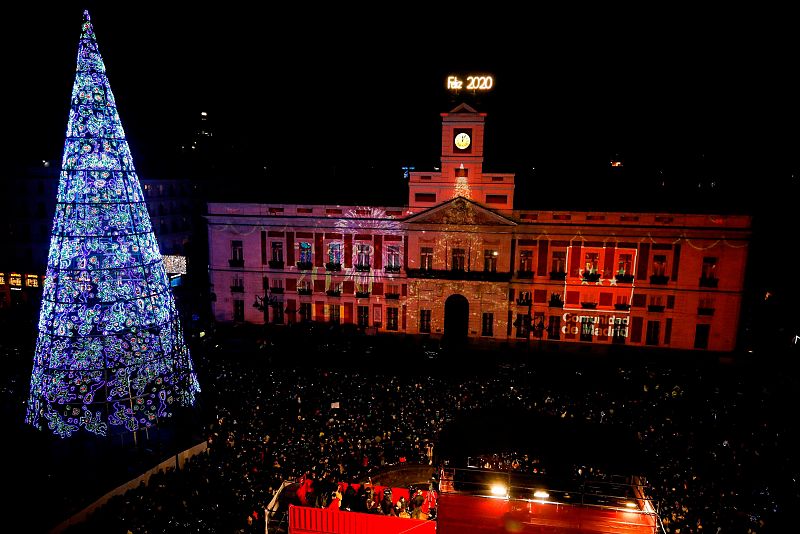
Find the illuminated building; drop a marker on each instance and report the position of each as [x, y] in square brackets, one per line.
[460, 260]
[110, 354]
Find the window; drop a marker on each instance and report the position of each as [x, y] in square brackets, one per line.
[237, 252]
[393, 257]
[426, 258]
[526, 261]
[305, 252]
[363, 255]
[391, 318]
[304, 287]
[458, 259]
[31, 280]
[587, 328]
[277, 285]
[523, 323]
[2, 278]
[659, 265]
[333, 311]
[362, 316]
[392, 291]
[524, 298]
[335, 253]
[590, 265]
[701, 334]
[653, 328]
[237, 284]
[277, 251]
[305, 311]
[238, 310]
[490, 261]
[554, 327]
[487, 324]
[425, 321]
[559, 262]
[709, 268]
[277, 313]
[624, 264]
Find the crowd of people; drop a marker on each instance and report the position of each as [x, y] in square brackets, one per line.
[720, 439]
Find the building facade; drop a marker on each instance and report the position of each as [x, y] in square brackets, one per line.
[459, 260]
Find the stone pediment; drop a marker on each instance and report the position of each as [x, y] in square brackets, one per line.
[460, 211]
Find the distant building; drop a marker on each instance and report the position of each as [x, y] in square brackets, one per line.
[459, 260]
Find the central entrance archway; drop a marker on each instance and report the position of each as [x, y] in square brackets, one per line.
[456, 318]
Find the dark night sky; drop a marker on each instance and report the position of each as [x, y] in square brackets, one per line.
[358, 94]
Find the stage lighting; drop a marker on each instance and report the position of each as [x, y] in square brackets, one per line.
[541, 494]
[498, 490]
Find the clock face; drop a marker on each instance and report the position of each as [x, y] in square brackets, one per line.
[462, 140]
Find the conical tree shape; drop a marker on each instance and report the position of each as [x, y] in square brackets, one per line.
[110, 354]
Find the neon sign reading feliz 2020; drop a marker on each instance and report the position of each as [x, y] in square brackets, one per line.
[474, 82]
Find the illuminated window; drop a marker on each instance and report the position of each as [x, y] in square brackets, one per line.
[393, 257]
[590, 265]
[2, 278]
[31, 280]
[559, 262]
[490, 261]
[426, 258]
[459, 256]
[238, 310]
[363, 316]
[335, 253]
[277, 251]
[363, 255]
[305, 252]
[304, 286]
[659, 265]
[526, 261]
[624, 264]
[391, 318]
[487, 324]
[15, 280]
[425, 321]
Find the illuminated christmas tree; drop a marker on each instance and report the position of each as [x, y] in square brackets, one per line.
[110, 353]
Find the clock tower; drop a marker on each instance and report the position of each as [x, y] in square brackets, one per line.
[461, 172]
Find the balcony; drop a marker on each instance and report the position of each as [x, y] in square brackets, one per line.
[525, 275]
[591, 276]
[589, 305]
[486, 276]
[555, 303]
[660, 279]
[304, 291]
[705, 311]
[276, 290]
[237, 289]
[524, 302]
[305, 265]
[333, 266]
[362, 294]
[361, 267]
[558, 275]
[624, 278]
[275, 264]
[334, 293]
[392, 296]
[392, 269]
[707, 281]
[622, 306]
[655, 307]
[236, 263]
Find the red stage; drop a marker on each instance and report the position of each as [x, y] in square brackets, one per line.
[306, 520]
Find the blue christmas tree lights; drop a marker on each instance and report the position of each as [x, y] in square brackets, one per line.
[110, 348]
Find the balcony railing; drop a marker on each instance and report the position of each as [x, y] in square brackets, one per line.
[524, 302]
[275, 264]
[392, 268]
[591, 277]
[237, 289]
[333, 266]
[305, 265]
[707, 281]
[392, 296]
[304, 291]
[442, 274]
[361, 267]
[236, 263]
[276, 290]
[333, 293]
[624, 278]
[525, 275]
[362, 294]
[589, 305]
[555, 303]
[659, 279]
[558, 275]
[705, 311]
[655, 307]
[622, 306]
